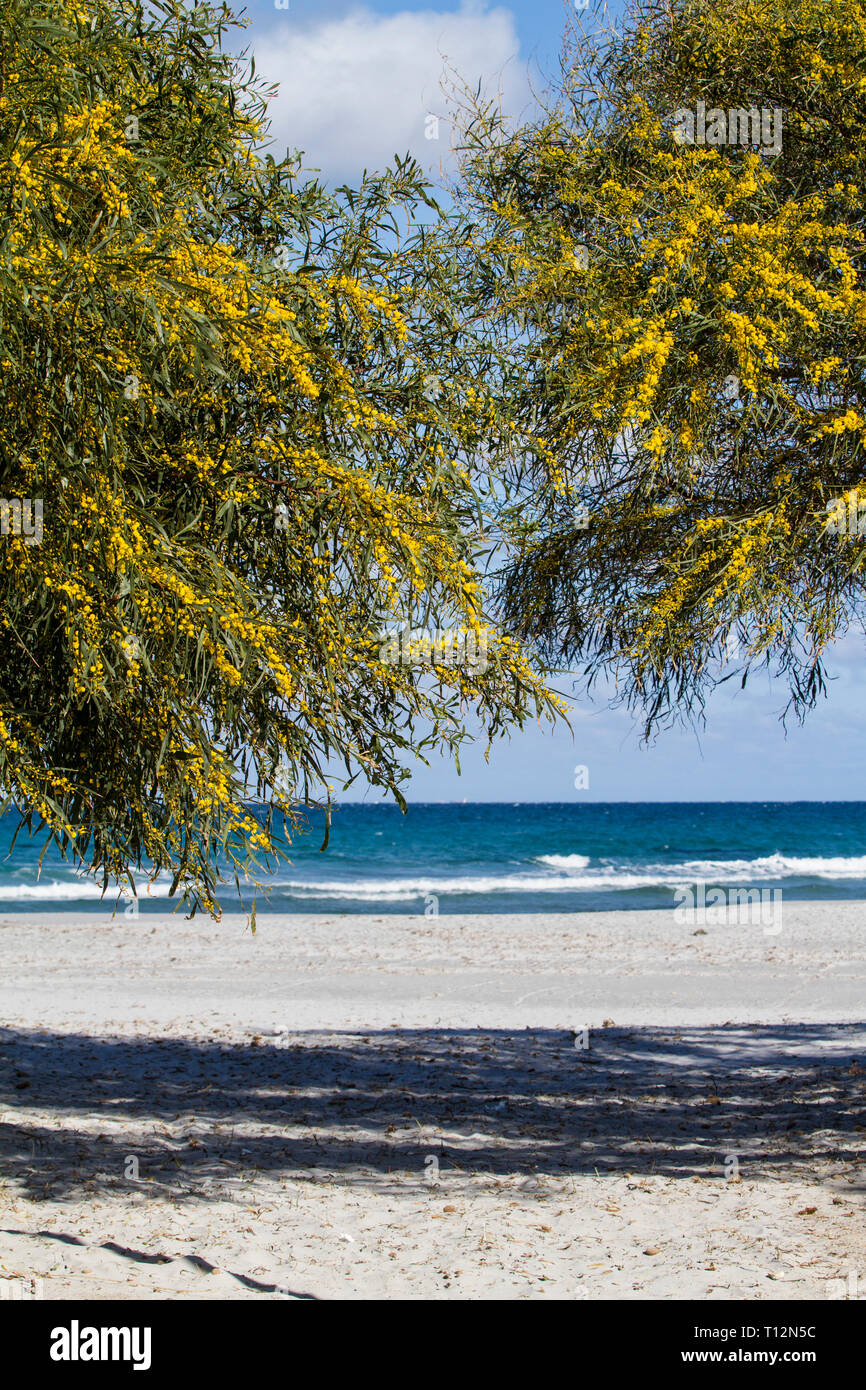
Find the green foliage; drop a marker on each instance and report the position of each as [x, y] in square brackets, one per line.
[215, 375]
[681, 328]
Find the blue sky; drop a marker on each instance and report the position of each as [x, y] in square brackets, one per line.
[743, 753]
[357, 84]
[358, 81]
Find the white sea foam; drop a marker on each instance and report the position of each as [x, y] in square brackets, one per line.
[70, 890]
[769, 866]
[556, 873]
[564, 861]
[579, 877]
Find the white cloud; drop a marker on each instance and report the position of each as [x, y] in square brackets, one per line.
[358, 89]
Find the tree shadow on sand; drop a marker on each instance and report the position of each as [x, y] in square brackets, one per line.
[175, 1117]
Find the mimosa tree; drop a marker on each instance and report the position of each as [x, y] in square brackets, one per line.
[671, 260]
[245, 406]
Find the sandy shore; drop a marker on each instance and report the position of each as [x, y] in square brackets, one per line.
[604, 1105]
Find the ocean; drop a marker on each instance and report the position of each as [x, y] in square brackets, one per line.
[525, 857]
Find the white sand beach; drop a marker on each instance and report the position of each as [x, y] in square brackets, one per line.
[385, 1106]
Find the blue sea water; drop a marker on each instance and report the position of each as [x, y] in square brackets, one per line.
[528, 857]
